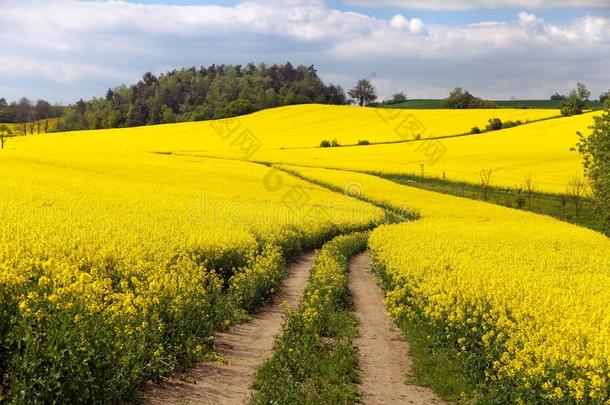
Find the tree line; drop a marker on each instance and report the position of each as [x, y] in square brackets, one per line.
[31, 116]
[365, 94]
[221, 91]
[194, 94]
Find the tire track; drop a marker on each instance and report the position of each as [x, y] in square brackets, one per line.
[244, 348]
[385, 363]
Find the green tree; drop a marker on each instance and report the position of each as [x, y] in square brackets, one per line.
[582, 92]
[137, 114]
[576, 102]
[24, 113]
[573, 105]
[595, 151]
[335, 95]
[364, 92]
[399, 97]
[168, 115]
[43, 112]
[558, 97]
[238, 107]
[201, 93]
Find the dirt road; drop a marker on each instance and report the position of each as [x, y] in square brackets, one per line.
[244, 348]
[384, 356]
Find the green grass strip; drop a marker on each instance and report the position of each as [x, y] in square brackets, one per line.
[315, 360]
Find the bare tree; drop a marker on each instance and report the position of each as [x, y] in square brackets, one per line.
[577, 188]
[5, 133]
[530, 188]
[563, 200]
[486, 183]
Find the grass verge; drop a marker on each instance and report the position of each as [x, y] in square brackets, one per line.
[558, 206]
[315, 360]
[438, 366]
[435, 365]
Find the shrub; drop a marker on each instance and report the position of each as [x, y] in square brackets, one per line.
[494, 124]
[460, 99]
[475, 130]
[363, 142]
[573, 105]
[329, 144]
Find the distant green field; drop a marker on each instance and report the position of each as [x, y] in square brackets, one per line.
[432, 103]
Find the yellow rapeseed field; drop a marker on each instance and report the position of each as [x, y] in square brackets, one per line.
[293, 126]
[129, 247]
[307, 125]
[127, 260]
[541, 149]
[521, 296]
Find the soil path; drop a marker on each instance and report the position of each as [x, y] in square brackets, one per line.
[385, 363]
[244, 348]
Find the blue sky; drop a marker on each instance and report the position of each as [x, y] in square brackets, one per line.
[551, 14]
[62, 50]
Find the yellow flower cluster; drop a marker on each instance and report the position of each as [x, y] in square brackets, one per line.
[328, 283]
[523, 297]
[117, 263]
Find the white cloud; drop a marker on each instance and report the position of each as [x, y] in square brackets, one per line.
[66, 49]
[475, 4]
[414, 26]
[531, 23]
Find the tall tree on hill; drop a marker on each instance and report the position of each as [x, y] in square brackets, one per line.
[364, 92]
[335, 95]
[583, 93]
